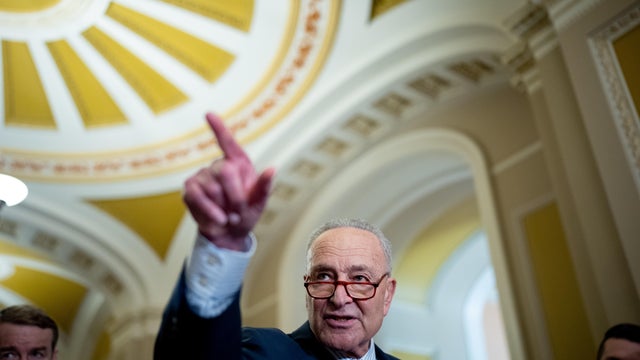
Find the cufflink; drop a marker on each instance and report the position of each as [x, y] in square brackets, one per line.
[212, 260]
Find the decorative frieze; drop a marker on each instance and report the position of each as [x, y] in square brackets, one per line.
[536, 38]
[565, 12]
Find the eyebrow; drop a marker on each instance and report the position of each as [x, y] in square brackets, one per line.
[360, 268]
[13, 348]
[352, 268]
[319, 268]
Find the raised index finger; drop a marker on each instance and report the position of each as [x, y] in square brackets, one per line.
[230, 148]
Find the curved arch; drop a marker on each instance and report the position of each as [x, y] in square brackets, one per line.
[97, 260]
[436, 152]
[361, 80]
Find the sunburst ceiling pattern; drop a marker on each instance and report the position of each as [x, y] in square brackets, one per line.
[26, 102]
[95, 91]
[138, 76]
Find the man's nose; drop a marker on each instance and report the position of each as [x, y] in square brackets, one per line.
[340, 296]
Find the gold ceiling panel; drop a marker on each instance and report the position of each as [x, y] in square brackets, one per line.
[154, 218]
[205, 59]
[39, 287]
[26, 5]
[235, 13]
[25, 102]
[11, 249]
[155, 90]
[94, 104]
[379, 7]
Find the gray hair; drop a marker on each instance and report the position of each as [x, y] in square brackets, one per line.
[352, 223]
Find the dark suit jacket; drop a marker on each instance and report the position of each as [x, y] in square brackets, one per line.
[185, 335]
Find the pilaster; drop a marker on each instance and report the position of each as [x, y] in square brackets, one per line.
[540, 62]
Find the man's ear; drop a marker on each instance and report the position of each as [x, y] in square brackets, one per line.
[389, 291]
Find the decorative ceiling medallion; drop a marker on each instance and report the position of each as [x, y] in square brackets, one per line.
[47, 19]
[285, 72]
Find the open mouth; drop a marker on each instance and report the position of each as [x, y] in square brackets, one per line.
[339, 321]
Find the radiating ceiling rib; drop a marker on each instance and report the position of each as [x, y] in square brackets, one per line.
[171, 69]
[379, 7]
[155, 90]
[235, 13]
[224, 36]
[94, 104]
[203, 58]
[25, 101]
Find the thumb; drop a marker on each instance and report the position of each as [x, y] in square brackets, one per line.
[259, 193]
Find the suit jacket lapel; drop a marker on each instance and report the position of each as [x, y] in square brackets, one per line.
[304, 336]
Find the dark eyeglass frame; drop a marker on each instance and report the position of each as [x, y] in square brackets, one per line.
[344, 283]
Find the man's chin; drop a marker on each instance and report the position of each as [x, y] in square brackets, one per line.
[341, 339]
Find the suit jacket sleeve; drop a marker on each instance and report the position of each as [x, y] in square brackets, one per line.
[184, 334]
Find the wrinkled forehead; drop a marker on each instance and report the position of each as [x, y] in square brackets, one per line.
[33, 335]
[349, 246]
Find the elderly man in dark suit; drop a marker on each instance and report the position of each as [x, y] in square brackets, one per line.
[348, 279]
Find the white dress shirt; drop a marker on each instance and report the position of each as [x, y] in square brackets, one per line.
[370, 355]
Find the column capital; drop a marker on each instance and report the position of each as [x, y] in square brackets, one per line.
[565, 12]
[536, 37]
[520, 60]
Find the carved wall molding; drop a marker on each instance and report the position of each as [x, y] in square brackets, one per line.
[536, 38]
[615, 87]
[565, 12]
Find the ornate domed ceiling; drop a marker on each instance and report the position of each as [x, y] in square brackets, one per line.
[106, 90]
[102, 116]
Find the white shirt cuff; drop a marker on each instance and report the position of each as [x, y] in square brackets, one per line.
[214, 275]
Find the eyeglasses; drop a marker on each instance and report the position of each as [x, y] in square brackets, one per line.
[357, 290]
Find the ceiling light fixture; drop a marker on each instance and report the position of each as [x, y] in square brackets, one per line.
[12, 190]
